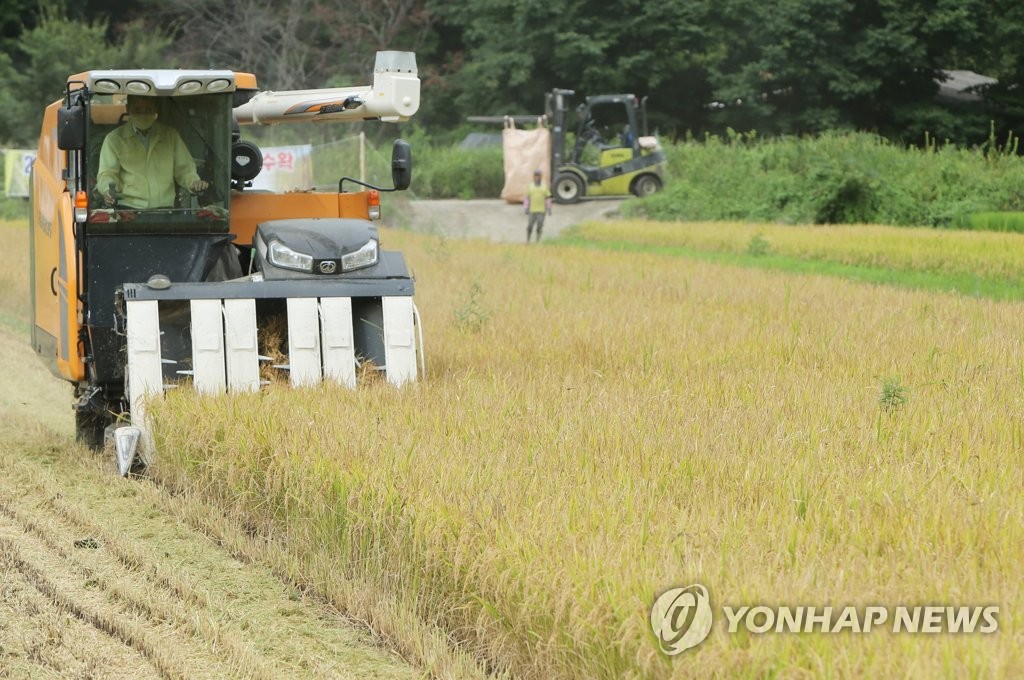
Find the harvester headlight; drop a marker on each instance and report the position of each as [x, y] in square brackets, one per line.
[190, 87]
[138, 87]
[107, 86]
[218, 85]
[358, 259]
[281, 255]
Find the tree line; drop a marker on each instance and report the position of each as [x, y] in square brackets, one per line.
[783, 67]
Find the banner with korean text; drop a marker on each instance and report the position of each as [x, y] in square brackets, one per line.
[286, 168]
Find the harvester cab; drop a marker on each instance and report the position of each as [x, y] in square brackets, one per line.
[209, 283]
[612, 155]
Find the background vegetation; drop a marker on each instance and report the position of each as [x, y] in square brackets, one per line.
[765, 102]
[835, 178]
[840, 178]
[798, 67]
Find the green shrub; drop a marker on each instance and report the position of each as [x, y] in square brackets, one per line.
[837, 178]
[451, 172]
[997, 221]
[13, 208]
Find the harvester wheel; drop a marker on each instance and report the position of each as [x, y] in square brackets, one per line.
[645, 185]
[568, 188]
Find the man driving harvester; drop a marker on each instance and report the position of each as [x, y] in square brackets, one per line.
[141, 161]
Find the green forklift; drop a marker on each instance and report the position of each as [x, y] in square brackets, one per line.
[609, 156]
[612, 153]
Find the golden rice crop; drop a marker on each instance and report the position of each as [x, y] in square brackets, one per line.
[981, 253]
[610, 425]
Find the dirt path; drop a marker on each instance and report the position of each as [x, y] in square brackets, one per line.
[497, 220]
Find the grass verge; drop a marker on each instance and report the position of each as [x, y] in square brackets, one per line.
[968, 263]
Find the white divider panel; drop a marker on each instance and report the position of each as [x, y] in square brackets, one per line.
[304, 341]
[399, 340]
[338, 346]
[208, 375]
[243, 364]
[145, 370]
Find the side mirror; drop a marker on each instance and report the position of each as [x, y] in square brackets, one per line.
[71, 127]
[401, 165]
[401, 170]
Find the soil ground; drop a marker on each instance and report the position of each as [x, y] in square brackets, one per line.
[497, 220]
[102, 577]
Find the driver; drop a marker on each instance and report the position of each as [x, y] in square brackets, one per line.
[143, 159]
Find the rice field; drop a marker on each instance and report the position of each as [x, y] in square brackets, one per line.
[595, 427]
[985, 254]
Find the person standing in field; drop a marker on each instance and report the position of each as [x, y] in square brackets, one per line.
[537, 204]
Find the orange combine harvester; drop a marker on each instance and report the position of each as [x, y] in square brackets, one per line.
[129, 300]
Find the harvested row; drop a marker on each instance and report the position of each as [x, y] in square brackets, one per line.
[44, 634]
[123, 591]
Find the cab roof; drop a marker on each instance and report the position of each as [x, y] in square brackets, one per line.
[162, 82]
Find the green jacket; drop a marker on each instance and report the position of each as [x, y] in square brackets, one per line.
[144, 177]
[536, 198]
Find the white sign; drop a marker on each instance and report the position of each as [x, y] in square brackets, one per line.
[286, 168]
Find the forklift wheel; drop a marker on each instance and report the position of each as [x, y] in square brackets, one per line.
[568, 188]
[645, 185]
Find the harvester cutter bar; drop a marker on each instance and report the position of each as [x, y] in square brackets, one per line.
[277, 289]
[225, 353]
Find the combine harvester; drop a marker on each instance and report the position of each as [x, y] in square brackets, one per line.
[130, 301]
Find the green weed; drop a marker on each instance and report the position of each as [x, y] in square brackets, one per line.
[893, 395]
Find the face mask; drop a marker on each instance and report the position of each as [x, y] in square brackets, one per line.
[143, 121]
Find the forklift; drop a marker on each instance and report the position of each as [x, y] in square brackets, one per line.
[609, 157]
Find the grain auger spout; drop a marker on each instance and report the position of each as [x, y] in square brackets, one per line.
[155, 265]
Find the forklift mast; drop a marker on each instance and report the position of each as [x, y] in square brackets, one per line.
[556, 108]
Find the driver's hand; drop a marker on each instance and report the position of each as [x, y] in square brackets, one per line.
[108, 198]
[199, 185]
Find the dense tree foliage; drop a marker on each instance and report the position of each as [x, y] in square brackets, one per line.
[500, 56]
[297, 44]
[785, 67]
[812, 65]
[790, 66]
[34, 67]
